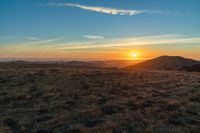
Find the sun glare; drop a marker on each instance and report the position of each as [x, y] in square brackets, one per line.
[134, 55]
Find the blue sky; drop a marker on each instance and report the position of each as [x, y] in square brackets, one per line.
[57, 24]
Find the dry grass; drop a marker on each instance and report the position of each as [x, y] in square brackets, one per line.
[56, 99]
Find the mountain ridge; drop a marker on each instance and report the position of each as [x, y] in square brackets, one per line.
[166, 62]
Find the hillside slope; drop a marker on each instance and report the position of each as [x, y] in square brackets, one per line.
[165, 63]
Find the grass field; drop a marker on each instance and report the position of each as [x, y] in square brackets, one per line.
[57, 99]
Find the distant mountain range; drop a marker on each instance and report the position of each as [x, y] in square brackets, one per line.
[176, 63]
[85, 64]
[168, 63]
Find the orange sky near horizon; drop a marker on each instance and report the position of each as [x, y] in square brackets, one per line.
[125, 54]
[117, 49]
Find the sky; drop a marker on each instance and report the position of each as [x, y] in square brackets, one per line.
[99, 29]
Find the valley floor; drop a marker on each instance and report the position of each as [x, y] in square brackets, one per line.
[57, 99]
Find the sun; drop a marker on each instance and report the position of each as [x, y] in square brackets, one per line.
[134, 55]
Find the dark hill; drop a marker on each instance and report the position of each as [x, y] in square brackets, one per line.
[193, 68]
[166, 63]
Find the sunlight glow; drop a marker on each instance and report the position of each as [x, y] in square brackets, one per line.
[134, 55]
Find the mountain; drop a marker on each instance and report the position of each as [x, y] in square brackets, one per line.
[90, 64]
[70, 64]
[166, 63]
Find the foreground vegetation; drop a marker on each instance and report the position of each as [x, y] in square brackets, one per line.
[57, 99]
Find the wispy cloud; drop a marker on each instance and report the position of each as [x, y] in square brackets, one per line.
[29, 40]
[60, 44]
[113, 11]
[33, 45]
[56, 48]
[45, 41]
[132, 41]
[18, 37]
[93, 37]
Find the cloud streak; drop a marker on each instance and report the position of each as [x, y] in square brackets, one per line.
[93, 37]
[100, 42]
[132, 41]
[56, 48]
[112, 11]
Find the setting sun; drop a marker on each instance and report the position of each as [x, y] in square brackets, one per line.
[134, 55]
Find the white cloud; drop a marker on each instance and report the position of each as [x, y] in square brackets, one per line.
[113, 11]
[93, 37]
[45, 41]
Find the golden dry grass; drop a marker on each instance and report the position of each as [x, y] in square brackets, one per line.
[57, 99]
